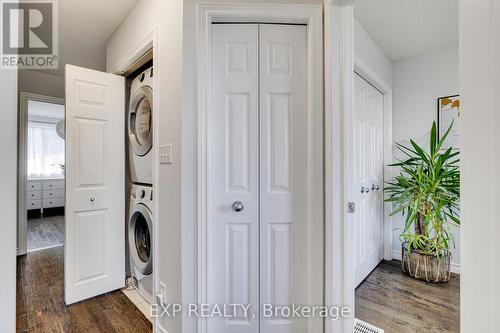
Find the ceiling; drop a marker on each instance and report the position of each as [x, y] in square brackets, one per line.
[405, 28]
[84, 28]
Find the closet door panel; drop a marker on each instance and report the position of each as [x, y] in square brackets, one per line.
[233, 236]
[283, 173]
[368, 175]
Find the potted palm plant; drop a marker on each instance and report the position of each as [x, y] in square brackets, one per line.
[427, 193]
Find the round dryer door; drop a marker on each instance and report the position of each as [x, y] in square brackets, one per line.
[140, 121]
[140, 235]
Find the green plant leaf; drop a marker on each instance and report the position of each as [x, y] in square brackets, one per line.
[433, 139]
[443, 138]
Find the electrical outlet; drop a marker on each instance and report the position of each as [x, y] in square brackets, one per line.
[166, 154]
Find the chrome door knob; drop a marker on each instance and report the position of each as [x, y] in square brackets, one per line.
[375, 187]
[237, 206]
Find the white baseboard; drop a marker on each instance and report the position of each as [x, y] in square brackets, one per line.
[161, 329]
[455, 268]
[141, 303]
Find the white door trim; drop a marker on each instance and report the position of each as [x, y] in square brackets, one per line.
[340, 64]
[142, 49]
[311, 15]
[369, 75]
[339, 76]
[22, 218]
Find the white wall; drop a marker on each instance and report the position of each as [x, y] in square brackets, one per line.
[371, 55]
[479, 54]
[167, 18]
[42, 83]
[8, 198]
[417, 83]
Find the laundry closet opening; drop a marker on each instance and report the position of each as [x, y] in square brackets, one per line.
[140, 191]
[258, 229]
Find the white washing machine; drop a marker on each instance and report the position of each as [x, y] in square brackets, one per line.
[140, 237]
[140, 128]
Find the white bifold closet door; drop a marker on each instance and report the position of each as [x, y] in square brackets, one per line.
[368, 177]
[257, 157]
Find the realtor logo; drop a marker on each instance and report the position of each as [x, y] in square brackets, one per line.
[29, 34]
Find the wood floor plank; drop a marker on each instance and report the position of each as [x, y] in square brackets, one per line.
[398, 303]
[41, 308]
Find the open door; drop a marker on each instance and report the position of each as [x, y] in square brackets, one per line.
[94, 254]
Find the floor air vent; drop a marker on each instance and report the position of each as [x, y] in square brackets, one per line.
[362, 327]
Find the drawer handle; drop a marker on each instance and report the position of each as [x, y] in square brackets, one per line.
[50, 202]
[92, 199]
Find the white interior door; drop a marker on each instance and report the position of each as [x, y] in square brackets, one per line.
[257, 250]
[233, 168]
[283, 173]
[368, 177]
[94, 257]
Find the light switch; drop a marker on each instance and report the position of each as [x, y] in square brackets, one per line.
[166, 154]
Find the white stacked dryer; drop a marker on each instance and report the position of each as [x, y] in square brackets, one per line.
[141, 222]
[140, 128]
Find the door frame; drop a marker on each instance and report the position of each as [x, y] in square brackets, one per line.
[339, 84]
[310, 15]
[147, 46]
[22, 216]
[340, 64]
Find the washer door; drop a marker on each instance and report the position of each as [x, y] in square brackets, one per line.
[140, 229]
[140, 121]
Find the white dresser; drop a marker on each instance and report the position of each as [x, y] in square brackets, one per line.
[45, 193]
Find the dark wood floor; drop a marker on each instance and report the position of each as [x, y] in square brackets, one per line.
[45, 232]
[41, 308]
[397, 303]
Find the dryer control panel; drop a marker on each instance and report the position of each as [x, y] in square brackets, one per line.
[141, 193]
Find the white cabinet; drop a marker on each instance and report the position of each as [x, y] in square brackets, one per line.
[34, 204]
[34, 185]
[55, 202]
[45, 193]
[51, 184]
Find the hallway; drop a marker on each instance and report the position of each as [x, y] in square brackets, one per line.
[41, 307]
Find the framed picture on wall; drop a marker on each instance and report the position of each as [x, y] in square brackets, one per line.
[448, 112]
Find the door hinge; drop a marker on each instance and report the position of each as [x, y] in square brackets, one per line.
[351, 207]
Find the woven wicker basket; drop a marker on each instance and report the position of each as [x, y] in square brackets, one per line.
[427, 267]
